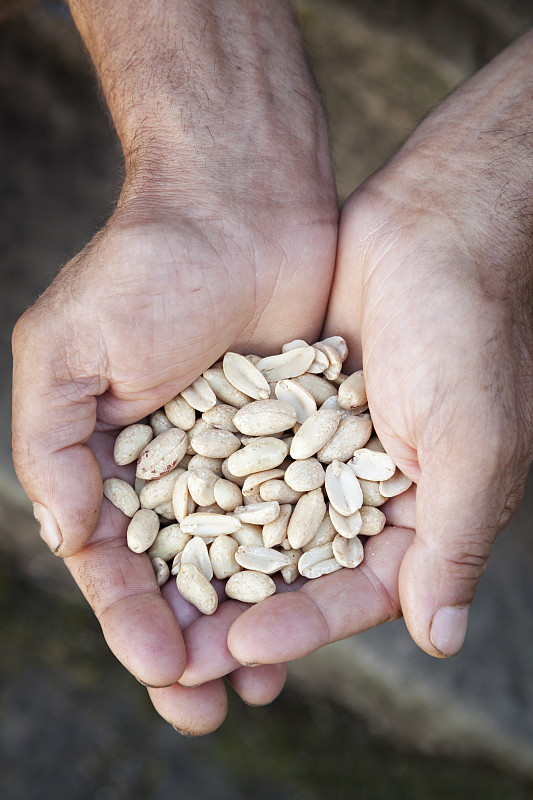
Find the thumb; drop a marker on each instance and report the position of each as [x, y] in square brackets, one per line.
[54, 413]
[461, 502]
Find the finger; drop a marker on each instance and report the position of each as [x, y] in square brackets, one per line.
[137, 623]
[205, 639]
[184, 612]
[291, 625]
[192, 712]
[54, 412]
[460, 499]
[259, 686]
[401, 510]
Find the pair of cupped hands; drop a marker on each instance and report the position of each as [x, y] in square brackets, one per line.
[426, 273]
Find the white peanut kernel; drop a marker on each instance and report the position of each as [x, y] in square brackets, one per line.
[268, 465]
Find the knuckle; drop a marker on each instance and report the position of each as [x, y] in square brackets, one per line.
[468, 561]
[387, 600]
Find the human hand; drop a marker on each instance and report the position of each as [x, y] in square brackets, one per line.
[226, 219]
[433, 289]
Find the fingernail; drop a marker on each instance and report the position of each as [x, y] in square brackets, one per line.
[50, 533]
[448, 629]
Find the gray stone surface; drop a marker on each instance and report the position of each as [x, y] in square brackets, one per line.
[60, 171]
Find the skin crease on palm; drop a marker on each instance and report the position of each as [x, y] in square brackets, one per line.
[421, 293]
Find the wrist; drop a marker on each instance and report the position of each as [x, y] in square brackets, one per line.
[467, 171]
[206, 90]
[478, 141]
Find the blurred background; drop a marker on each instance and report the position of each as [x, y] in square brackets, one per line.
[371, 717]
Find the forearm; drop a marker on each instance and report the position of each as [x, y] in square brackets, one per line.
[190, 84]
[493, 108]
[470, 164]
